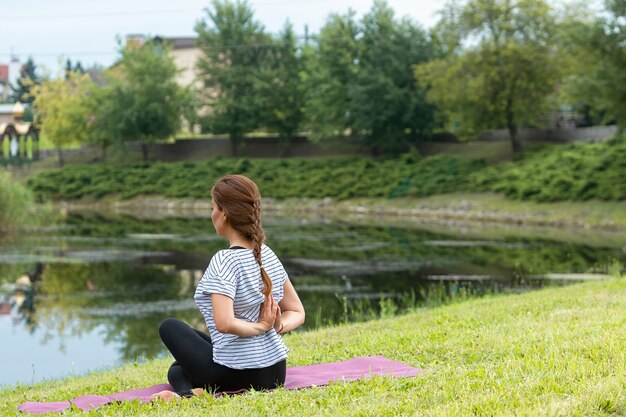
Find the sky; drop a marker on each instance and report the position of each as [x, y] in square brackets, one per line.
[51, 31]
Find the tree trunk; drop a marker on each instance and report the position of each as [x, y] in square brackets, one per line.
[516, 145]
[104, 153]
[35, 139]
[60, 153]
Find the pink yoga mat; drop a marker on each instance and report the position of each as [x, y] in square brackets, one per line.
[297, 377]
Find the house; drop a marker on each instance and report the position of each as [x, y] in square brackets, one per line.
[186, 55]
[9, 74]
[184, 52]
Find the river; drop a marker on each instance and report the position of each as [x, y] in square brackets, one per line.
[103, 282]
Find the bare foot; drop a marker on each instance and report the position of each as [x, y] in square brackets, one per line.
[165, 395]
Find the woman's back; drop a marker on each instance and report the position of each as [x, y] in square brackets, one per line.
[235, 273]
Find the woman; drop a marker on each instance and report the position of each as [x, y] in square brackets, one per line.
[246, 299]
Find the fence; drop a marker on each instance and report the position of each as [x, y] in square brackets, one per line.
[205, 148]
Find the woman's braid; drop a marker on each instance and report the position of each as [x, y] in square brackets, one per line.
[240, 199]
[257, 235]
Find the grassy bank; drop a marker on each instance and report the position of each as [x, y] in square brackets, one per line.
[17, 206]
[468, 208]
[558, 351]
[576, 172]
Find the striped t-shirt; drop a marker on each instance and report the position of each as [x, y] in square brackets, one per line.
[236, 274]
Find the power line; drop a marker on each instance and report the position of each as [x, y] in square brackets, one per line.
[139, 12]
[87, 15]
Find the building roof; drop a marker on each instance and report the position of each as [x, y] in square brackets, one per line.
[181, 43]
[4, 72]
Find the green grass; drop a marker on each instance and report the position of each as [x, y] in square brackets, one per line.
[555, 352]
[17, 206]
[46, 143]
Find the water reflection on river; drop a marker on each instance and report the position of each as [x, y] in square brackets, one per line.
[90, 293]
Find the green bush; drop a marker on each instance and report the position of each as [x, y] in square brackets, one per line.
[340, 178]
[17, 205]
[580, 171]
[561, 172]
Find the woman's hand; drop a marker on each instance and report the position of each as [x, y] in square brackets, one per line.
[278, 321]
[270, 313]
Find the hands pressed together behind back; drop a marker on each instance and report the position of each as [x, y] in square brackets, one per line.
[270, 315]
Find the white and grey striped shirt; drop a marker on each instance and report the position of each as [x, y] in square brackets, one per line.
[236, 274]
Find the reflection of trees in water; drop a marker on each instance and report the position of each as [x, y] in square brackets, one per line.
[74, 293]
[354, 242]
[138, 337]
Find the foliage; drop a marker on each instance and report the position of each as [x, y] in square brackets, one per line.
[60, 111]
[28, 78]
[503, 355]
[387, 105]
[574, 172]
[301, 178]
[146, 103]
[17, 205]
[233, 46]
[107, 106]
[330, 71]
[498, 66]
[280, 92]
[77, 67]
[596, 76]
[360, 80]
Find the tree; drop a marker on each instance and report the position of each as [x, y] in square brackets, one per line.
[499, 67]
[331, 67]
[60, 110]
[28, 78]
[77, 68]
[233, 44]
[106, 106]
[597, 47]
[280, 90]
[146, 103]
[387, 105]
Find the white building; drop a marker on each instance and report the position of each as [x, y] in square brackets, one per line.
[9, 74]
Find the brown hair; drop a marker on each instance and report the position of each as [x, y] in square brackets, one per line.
[239, 198]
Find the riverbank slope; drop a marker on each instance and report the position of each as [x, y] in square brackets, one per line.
[558, 351]
[453, 207]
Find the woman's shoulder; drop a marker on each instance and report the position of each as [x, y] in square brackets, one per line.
[223, 256]
[266, 250]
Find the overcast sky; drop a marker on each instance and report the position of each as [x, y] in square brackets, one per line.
[86, 30]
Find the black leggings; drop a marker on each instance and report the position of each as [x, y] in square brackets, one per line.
[194, 366]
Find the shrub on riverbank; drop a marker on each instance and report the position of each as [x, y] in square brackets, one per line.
[17, 205]
[572, 172]
[580, 171]
[558, 351]
[339, 178]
